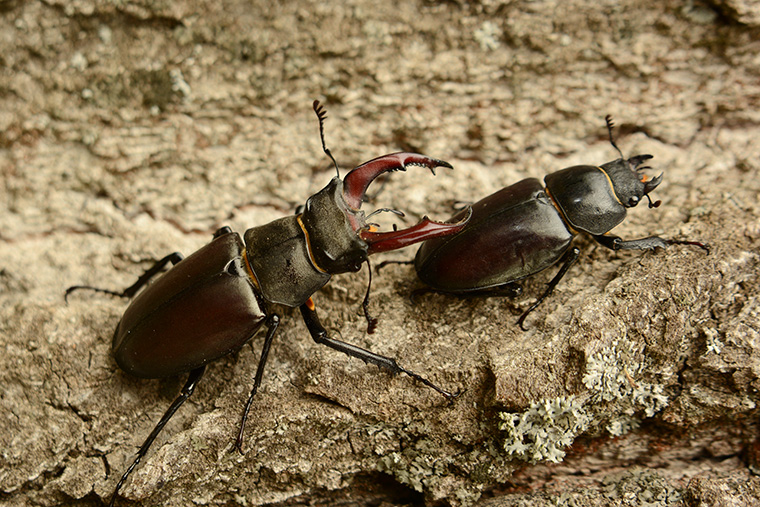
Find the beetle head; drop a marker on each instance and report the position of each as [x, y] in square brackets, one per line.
[334, 245]
[339, 237]
[629, 181]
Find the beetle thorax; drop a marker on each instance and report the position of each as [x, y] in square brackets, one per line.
[586, 198]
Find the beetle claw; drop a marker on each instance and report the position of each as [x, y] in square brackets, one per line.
[521, 320]
[456, 395]
[356, 182]
[426, 229]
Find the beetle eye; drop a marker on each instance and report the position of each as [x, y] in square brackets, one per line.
[633, 201]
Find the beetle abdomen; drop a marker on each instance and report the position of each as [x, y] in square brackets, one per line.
[514, 233]
[202, 309]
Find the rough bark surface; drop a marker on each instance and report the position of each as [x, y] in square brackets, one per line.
[135, 128]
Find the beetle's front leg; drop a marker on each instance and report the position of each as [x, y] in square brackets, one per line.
[320, 335]
[617, 243]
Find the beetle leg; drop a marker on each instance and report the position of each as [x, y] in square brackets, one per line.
[141, 282]
[386, 263]
[371, 321]
[319, 334]
[568, 260]
[617, 243]
[273, 322]
[356, 182]
[187, 390]
[130, 291]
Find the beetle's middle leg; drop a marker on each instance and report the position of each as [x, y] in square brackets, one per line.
[320, 335]
[273, 320]
[567, 261]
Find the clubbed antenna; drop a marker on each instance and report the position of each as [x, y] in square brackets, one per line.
[655, 204]
[322, 115]
[610, 126]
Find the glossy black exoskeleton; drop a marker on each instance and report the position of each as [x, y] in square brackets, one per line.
[211, 303]
[527, 227]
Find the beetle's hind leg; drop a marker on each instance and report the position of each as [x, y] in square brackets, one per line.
[187, 390]
[130, 291]
[320, 335]
[141, 282]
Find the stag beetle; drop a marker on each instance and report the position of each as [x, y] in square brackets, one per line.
[527, 227]
[211, 303]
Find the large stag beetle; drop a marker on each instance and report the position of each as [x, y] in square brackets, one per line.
[211, 303]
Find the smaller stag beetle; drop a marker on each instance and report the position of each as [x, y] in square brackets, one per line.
[527, 227]
[211, 303]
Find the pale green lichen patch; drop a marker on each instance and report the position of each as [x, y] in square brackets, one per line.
[611, 376]
[616, 401]
[609, 372]
[714, 344]
[545, 429]
[414, 466]
[421, 468]
[641, 487]
[622, 425]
